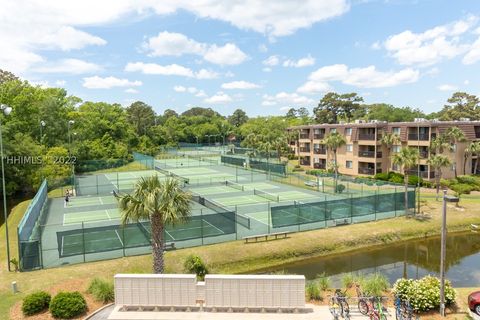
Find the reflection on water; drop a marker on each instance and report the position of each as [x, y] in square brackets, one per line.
[413, 259]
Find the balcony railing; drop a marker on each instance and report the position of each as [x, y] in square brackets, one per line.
[318, 135]
[320, 151]
[423, 154]
[304, 136]
[304, 162]
[319, 165]
[366, 136]
[370, 171]
[423, 174]
[369, 154]
[421, 136]
[304, 149]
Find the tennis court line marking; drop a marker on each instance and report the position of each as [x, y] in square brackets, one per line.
[118, 236]
[100, 199]
[109, 218]
[169, 234]
[213, 226]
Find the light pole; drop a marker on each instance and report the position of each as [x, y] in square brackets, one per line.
[443, 249]
[42, 125]
[6, 111]
[70, 122]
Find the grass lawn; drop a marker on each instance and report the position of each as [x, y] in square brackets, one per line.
[237, 257]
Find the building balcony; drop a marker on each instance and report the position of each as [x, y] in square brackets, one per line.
[304, 162]
[370, 171]
[366, 136]
[318, 136]
[369, 154]
[416, 136]
[304, 149]
[423, 174]
[320, 165]
[304, 136]
[423, 154]
[320, 151]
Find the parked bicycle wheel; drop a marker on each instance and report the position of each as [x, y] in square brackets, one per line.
[363, 306]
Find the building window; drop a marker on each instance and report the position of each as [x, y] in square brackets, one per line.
[395, 167]
[396, 149]
[349, 164]
[396, 131]
[349, 147]
[332, 130]
[348, 131]
[453, 147]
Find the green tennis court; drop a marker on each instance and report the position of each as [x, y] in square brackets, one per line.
[295, 195]
[240, 200]
[112, 176]
[260, 186]
[193, 171]
[213, 190]
[90, 216]
[78, 202]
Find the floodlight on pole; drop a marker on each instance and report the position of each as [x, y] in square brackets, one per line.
[6, 111]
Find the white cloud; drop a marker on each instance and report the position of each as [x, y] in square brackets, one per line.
[473, 54]
[177, 44]
[368, 77]
[240, 85]
[303, 62]
[60, 83]
[271, 61]
[286, 99]
[57, 24]
[206, 74]
[97, 82]
[447, 87]
[131, 90]
[267, 69]
[68, 66]
[200, 94]
[376, 45]
[219, 98]
[169, 70]
[179, 89]
[431, 46]
[262, 48]
[466, 82]
[41, 83]
[314, 87]
[153, 68]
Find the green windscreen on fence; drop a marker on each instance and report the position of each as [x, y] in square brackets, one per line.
[28, 234]
[261, 165]
[339, 209]
[144, 159]
[87, 240]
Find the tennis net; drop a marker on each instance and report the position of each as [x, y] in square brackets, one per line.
[234, 185]
[266, 195]
[240, 219]
[161, 170]
[171, 174]
[146, 232]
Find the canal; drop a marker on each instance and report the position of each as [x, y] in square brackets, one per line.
[412, 259]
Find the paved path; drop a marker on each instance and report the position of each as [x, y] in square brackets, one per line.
[318, 313]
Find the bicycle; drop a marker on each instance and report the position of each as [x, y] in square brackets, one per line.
[403, 309]
[340, 300]
[376, 309]
[334, 308]
[362, 301]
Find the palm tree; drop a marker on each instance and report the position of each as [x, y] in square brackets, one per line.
[333, 141]
[163, 203]
[295, 136]
[475, 150]
[389, 139]
[439, 144]
[407, 158]
[456, 135]
[437, 162]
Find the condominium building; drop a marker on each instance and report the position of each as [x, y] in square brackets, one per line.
[364, 153]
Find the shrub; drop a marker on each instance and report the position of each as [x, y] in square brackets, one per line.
[316, 172]
[381, 176]
[292, 157]
[66, 305]
[35, 302]
[340, 188]
[397, 178]
[413, 180]
[323, 281]
[424, 293]
[312, 291]
[375, 284]
[101, 290]
[461, 188]
[471, 180]
[427, 184]
[446, 182]
[348, 280]
[298, 169]
[194, 264]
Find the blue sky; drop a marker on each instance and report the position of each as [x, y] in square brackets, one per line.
[261, 56]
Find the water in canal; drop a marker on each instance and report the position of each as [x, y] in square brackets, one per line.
[412, 259]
